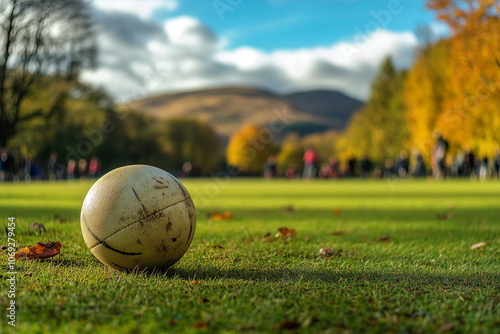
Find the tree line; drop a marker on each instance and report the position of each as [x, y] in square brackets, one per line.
[452, 90]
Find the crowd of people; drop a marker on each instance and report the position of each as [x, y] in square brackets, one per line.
[29, 170]
[465, 164]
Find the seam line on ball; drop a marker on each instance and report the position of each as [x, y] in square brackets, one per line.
[137, 221]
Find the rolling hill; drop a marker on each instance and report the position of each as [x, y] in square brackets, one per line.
[227, 109]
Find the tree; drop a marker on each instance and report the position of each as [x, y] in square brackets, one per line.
[190, 140]
[427, 89]
[249, 148]
[379, 129]
[291, 152]
[39, 39]
[454, 85]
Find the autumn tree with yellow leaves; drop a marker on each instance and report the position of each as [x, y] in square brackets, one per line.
[249, 148]
[454, 85]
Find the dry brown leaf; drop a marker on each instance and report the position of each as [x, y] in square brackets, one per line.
[201, 325]
[286, 233]
[39, 251]
[478, 245]
[338, 233]
[221, 215]
[385, 238]
[337, 211]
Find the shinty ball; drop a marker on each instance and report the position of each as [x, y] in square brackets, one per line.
[138, 217]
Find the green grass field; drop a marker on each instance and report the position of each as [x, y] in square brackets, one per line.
[401, 261]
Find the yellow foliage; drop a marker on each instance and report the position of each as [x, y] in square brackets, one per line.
[467, 110]
[291, 152]
[249, 148]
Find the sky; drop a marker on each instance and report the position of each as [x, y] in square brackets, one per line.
[149, 47]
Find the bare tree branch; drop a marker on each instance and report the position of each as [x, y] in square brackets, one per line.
[39, 39]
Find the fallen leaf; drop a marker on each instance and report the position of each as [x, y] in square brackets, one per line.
[39, 251]
[221, 215]
[201, 325]
[289, 325]
[446, 327]
[478, 245]
[286, 233]
[338, 233]
[28, 275]
[36, 226]
[4, 247]
[326, 251]
[385, 238]
[337, 211]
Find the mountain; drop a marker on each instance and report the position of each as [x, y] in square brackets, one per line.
[227, 109]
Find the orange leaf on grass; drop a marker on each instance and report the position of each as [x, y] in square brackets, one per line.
[286, 233]
[39, 251]
[221, 215]
[337, 211]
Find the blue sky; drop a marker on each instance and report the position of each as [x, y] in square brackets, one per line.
[284, 24]
[157, 46]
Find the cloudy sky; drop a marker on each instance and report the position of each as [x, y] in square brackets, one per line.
[154, 46]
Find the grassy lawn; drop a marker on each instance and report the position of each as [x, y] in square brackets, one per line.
[401, 261]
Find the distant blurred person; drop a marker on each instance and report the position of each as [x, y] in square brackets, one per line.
[52, 166]
[469, 164]
[366, 166]
[334, 167]
[94, 166]
[82, 169]
[187, 168]
[325, 171]
[71, 169]
[457, 169]
[388, 169]
[310, 161]
[496, 163]
[351, 167]
[270, 170]
[403, 164]
[28, 169]
[290, 172]
[438, 157]
[419, 168]
[483, 168]
[8, 165]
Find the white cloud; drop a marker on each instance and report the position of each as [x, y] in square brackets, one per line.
[140, 58]
[142, 8]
